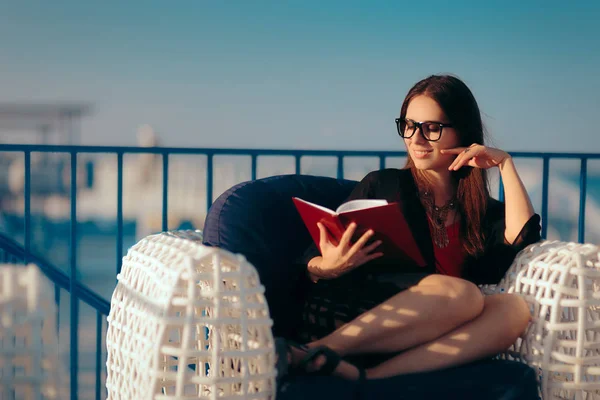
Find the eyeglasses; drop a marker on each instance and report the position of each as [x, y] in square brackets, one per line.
[431, 131]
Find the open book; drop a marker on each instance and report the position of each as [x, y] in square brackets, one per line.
[385, 219]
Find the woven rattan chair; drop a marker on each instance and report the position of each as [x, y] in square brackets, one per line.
[29, 367]
[561, 283]
[188, 321]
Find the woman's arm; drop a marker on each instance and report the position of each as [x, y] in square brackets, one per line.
[517, 203]
[514, 224]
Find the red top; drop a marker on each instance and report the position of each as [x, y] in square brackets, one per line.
[450, 259]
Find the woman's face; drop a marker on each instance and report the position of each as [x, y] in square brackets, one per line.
[426, 154]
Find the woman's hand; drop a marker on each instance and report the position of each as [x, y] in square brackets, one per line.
[340, 259]
[477, 156]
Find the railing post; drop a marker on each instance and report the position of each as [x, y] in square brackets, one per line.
[340, 167]
[209, 180]
[165, 192]
[381, 162]
[545, 178]
[57, 301]
[74, 305]
[298, 165]
[27, 205]
[119, 211]
[253, 166]
[98, 353]
[582, 200]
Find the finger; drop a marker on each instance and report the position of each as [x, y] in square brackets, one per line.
[456, 160]
[323, 236]
[473, 162]
[366, 259]
[451, 166]
[371, 247]
[348, 234]
[464, 153]
[461, 163]
[455, 150]
[467, 156]
[479, 153]
[361, 242]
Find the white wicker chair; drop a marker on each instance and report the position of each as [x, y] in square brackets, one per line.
[29, 366]
[561, 283]
[180, 304]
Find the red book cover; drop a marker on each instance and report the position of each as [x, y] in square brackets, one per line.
[385, 219]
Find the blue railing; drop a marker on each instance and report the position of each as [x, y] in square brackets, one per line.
[13, 253]
[80, 292]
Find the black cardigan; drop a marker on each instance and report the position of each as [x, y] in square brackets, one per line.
[486, 268]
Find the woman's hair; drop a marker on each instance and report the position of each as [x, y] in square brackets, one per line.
[460, 106]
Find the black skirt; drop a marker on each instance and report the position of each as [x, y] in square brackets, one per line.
[332, 303]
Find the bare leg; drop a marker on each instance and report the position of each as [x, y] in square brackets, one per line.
[504, 318]
[435, 306]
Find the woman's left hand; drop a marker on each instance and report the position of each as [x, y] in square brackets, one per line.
[477, 156]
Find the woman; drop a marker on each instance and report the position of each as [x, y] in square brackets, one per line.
[467, 237]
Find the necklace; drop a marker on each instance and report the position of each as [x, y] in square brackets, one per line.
[437, 216]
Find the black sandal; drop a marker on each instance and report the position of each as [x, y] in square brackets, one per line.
[332, 360]
[283, 366]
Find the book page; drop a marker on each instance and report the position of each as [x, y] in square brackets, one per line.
[354, 205]
[327, 210]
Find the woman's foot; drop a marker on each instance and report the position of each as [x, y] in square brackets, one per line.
[321, 361]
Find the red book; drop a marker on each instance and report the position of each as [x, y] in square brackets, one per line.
[385, 219]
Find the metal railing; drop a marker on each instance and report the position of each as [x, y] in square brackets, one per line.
[13, 253]
[80, 292]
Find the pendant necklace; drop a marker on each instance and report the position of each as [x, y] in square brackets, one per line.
[437, 216]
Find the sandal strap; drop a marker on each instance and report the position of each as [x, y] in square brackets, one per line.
[362, 375]
[332, 360]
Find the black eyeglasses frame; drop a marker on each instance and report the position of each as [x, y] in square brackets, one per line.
[419, 125]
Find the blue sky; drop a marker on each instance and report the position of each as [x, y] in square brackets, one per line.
[301, 74]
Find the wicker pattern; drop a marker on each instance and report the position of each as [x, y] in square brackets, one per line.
[560, 281]
[188, 321]
[28, 341]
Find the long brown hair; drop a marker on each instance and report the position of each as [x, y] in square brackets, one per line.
[460, 106]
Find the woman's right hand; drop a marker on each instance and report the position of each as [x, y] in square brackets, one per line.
[338, 260]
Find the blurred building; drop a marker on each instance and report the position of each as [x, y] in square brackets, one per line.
[29, 123]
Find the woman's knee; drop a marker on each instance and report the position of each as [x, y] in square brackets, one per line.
[513, 311]
[461, 297]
